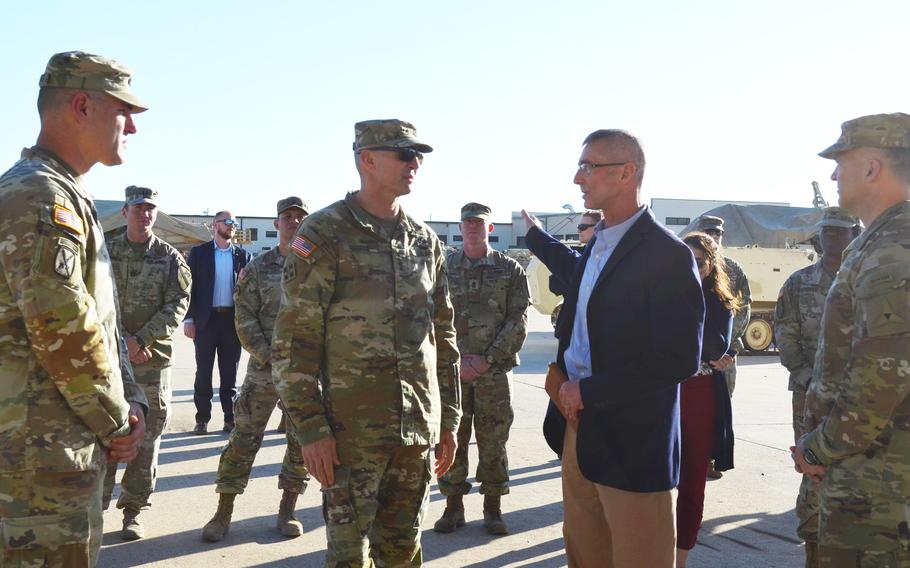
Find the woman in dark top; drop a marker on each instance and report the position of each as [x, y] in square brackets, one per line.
[705, 413]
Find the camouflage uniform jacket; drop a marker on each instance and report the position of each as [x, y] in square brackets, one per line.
[364, 342]
[797, 321]
[63, 367]
[490, 297]
[739, 285]
[257, 297]
[857, 407]
[154, 288]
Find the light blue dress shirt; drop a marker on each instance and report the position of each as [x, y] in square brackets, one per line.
[578, 354]
[223, 293]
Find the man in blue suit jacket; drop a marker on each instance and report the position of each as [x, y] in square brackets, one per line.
[629, 332]
[209, 322]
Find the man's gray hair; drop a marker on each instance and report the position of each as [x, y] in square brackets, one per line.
[626, 141]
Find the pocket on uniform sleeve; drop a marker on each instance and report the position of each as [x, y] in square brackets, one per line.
[884, 301]
[45, 531]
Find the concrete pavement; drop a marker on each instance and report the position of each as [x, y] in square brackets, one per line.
[749, 519]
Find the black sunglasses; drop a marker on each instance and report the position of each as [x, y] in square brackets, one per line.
[715, 232]
[585, 226]
[406, 155]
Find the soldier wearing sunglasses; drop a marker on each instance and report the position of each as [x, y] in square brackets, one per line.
[364, 355]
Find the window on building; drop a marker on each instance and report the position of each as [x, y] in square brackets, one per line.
[520, 242]
[254, 234]
[457, 238]
[494, 239]
[444, 239]
[271, 234]
[678, 220]
[266, 248]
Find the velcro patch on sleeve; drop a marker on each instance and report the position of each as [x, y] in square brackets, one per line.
[67, 218]
[303, 247]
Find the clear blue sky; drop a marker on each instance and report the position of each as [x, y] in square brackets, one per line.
[254, 101]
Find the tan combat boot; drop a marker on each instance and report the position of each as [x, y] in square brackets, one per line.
[453, 517]
[492, 516]
[214, 530]
[287, 523]
[132, 528]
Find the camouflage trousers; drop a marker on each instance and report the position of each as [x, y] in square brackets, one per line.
[730, 377]
[486, 403]
[252, 409]
[374, 509]
[50, 520]
[829, 557]
[799, 411]
[139, 477]
[807, 510]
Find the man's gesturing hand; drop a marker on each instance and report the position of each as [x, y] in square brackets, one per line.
[320, 458]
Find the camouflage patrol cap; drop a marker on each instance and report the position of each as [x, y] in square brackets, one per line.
[873, 131]
[136, 195]
[477, 210]
[87, 72]
[292, 201]
[709, 223]
[837, 217]
[387, 133]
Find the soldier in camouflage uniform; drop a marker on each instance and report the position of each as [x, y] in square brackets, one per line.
[796, 329]
[256, 300]
[365, 355]
[490, 294]
[68, 402]
[153, 284]
[739, 285]
[857, 420]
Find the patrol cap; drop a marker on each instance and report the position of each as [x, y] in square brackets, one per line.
[387, 133]
[88, 72]
[477, 210]
[709, 223]
[289, 202]
[872, 131]
[837, 217]
[136, 195]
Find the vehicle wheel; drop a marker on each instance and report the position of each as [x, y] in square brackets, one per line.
[555, 315]
[759, 334]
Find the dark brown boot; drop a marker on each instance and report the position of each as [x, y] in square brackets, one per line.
[492, 516]
[214, 530]
[453, 517]
[287, 523]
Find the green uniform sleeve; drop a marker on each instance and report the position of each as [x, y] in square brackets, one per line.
[45, 274]
[788, 331]
[176, 301]
[247, 306]
[307, 285]
[447, 356]
[877, 377]
[511, 335]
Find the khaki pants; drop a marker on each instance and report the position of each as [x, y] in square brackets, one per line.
[606, 527]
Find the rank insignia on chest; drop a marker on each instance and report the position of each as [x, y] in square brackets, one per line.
[473, 284]
[66, 218]
[303, 247]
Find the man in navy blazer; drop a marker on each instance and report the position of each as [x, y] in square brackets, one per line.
[629, 332]
[209, 322]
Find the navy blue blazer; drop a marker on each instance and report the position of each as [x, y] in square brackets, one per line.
[645, 319]
[202, 267]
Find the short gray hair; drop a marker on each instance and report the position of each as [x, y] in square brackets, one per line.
[625, 140]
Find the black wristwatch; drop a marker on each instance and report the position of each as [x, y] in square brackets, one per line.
[810, 457]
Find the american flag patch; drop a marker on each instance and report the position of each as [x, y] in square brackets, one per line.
[66, 218]
[303, 247]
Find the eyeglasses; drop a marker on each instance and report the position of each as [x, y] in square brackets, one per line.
[584, 226]
[228, 222]
[587, 169]
[714, 232]
[406, 155]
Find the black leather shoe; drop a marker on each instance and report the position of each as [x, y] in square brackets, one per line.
[228, 426]
[201, 428]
